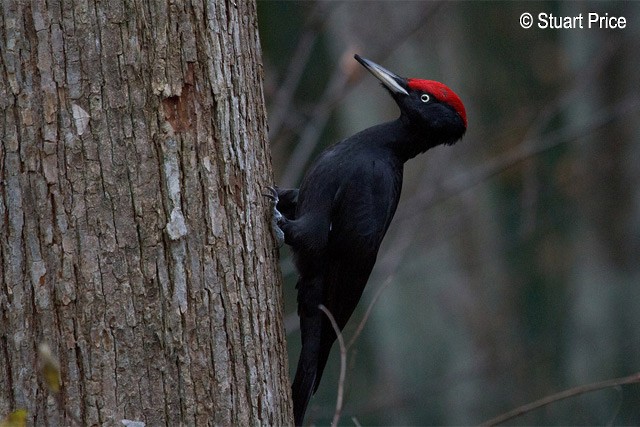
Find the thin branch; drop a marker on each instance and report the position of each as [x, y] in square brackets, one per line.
[575, 391]
[338, 87]
[283, 99]
[373, 302]
[284, 96]
[581, 81]
[313, 130]
[343, 366]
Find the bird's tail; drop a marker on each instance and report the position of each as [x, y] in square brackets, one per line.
[313, 359]
[306, 379]
[303, 387]
[304, 383]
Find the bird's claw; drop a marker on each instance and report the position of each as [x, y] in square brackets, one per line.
[277, 218]
[272, 194]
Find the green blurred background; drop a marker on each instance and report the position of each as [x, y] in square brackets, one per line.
[511, 270]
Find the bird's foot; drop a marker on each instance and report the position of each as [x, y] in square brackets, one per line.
[277, 218]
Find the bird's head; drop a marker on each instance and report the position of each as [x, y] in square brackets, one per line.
[429, 106]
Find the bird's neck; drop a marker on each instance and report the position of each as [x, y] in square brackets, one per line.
[407, 141]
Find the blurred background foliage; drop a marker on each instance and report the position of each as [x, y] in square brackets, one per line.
[511, 270]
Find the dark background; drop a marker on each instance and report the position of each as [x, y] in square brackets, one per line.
[511, 270]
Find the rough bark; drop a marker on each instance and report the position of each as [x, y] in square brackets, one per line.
[134, 238]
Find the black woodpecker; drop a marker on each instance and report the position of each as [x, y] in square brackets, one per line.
[337, 219]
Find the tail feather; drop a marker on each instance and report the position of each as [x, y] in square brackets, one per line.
[318, 338]
[303, 387]
[328, 338]
[306, 379]
[316, 331]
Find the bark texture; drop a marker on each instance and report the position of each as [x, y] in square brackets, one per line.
[134, 239]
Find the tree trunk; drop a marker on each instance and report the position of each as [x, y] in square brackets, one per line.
[135, 241]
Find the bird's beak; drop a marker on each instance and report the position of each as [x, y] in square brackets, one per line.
[391, 81]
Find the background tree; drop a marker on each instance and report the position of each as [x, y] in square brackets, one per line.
[134, 240]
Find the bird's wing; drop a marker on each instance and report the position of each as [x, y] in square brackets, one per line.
[361, 215]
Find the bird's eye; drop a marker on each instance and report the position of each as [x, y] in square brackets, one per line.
[424, 97]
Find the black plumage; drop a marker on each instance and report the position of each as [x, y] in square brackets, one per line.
[336, 221]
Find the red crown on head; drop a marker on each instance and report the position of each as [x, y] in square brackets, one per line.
[442, 93]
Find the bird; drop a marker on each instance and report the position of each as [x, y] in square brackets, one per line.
[336, 220]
